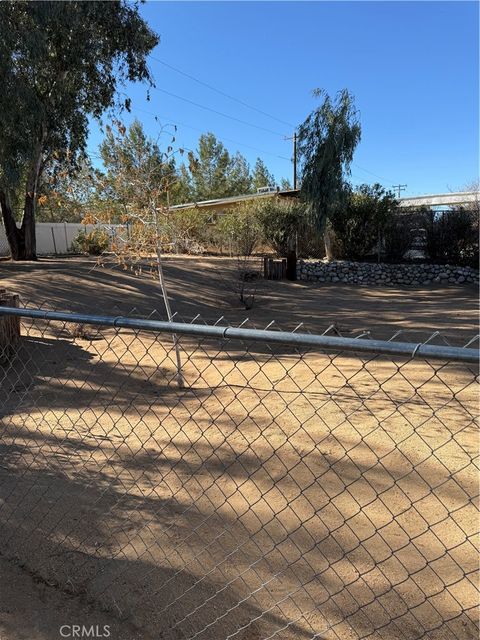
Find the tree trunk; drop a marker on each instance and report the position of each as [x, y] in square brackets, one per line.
[9, 327]
[15, 237]
[22, 242]
[28, 228]
[328, 244]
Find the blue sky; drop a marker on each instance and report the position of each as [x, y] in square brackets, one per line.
[413, 68]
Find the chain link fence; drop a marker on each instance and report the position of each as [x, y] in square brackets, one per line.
[291, 486]
[4, 248]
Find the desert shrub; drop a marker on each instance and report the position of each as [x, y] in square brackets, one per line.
[214, 240]
[94, 243]
[360, 221]
[398, 236]
[282, 222]
[185, 230]
[452, 236]
[241, 230]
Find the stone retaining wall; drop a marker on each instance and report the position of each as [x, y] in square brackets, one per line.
[383, 274]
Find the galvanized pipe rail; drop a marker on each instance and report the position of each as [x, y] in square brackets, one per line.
[320, 342]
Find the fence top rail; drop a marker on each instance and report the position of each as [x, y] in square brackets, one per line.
[420, 350]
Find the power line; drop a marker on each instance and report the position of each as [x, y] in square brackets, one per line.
[241, 121]
[371, 172]
[242, 102]
[220, 113]
[220, 92]
[242, 144]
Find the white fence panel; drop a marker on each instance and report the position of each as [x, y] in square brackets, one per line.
[55, 238]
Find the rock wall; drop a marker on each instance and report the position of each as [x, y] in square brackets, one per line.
[384, 274]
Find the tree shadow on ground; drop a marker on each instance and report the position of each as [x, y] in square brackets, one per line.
[64, 531]
[150, 550]
[48, 373]
[196, 287]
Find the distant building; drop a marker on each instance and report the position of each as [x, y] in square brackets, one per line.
[222, 205]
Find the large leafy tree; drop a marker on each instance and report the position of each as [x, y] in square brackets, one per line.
[326, 144]
[60, 62]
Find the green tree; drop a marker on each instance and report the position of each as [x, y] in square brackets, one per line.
[452, 235]
[326, 144]
[214, 173]
[285, 184]
[67, 196]
[209, 169]
[281, 220]
[182, 190]
[241, 230]
[239, 179]
[131, 159]
[60, 62]
[261, 175]
[360, 222]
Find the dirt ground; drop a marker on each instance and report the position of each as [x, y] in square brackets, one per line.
[272, 496]
[204, 286]
[31, 609]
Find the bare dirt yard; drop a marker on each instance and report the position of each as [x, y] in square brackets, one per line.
[32, 609]
[272, 496]
[204, 285]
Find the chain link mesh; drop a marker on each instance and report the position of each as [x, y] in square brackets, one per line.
[280, 493]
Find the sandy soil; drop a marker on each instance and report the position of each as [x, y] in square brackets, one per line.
[272, 496]
[31, 609]
[204, 286]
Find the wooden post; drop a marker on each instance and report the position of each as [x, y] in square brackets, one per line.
[274, 269]
[9, 326]
[291, 266]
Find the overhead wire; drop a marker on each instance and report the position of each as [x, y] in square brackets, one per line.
[242, 144]
[225, 115]
[371, 172]
[220, 113]
[220, 92]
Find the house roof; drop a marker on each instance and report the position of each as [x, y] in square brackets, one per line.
[206, 204]
[438, 199]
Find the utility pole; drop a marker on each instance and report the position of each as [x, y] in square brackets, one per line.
[399, 188]
[291, 256]
[294, 138]
[295, 160]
